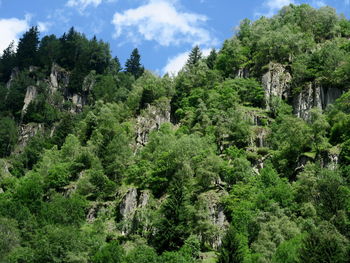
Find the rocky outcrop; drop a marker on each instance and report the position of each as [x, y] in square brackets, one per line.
[14, 74]
[133, 212]
[243, 73]
[259, 138]
[314, 95]
[26, 131]
[59, 78]
[78, 102]
[308, 98]
[330, 158]
[59, 81]
[276, 82]
[151, 119]
[211, 219]
[31, 94]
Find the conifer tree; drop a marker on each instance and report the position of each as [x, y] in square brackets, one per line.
[7, 62]
[28, 48]
[133, 65]
[211, 59]
[194, 56]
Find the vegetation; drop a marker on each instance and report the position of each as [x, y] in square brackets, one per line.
[104, 164]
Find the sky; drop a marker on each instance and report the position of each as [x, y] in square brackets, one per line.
[164, 31]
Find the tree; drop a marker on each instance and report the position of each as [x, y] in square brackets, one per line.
[49, 50]
[211, 59]
[7, 62]
[234, 248]
[110, 253]
[194, 56]
[133, 64]
[8, 135]
[27, 48]
[9, 236]
[325, 244]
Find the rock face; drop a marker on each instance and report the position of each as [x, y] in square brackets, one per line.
[13, 76]
[131, 211]
[243, 73]
[26, 132]
[31, 94]
[59, 78]
[276, 83]
[59, 81]
[314, 95]
[151, 119]
[211, 216]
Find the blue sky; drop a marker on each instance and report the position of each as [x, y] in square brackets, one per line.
[163, 30]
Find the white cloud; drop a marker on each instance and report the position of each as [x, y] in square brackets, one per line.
[11, 29]
[318, 3]
[277, 4]
[81, 5]
[175, 64]
[161, 21]
[273, 6]
[44, 26]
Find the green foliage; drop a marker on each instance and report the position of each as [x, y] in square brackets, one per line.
[324, 243]
[14, 100]
[27, 49]
[9, 236]
[8, 136]
[142, 254]
[110, 253]
[7, 62]
[63, 210]
[194, 57]
[202, 185]
[55, 243]
[234, 248]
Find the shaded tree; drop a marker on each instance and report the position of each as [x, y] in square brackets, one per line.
[27, 49]
[133, 64]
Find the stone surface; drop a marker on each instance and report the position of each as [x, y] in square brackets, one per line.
[314, 95]
[243, 73]
[133, 212]
[59, 78]
[31, 94]
[13, 76]
[26, 131]
[276, 82]
[211, 216]
[151, 119]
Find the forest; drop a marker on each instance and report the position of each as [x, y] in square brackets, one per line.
[242, 157]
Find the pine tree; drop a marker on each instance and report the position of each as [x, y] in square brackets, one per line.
[133, 65]
[7, 62]
[194, 56]
[27, 50]
[211, 59]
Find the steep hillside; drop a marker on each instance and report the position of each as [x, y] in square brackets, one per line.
[242, 157]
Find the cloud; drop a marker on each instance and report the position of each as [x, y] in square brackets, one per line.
[161, 21]
[176, 63]
[347, 2]
[81, 5]
[318, 3]
[11, 29]
[44, 26]
[277, 4]
[273, 6]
